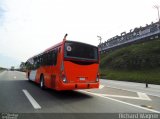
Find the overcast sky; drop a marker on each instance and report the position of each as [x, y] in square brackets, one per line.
[28, 27]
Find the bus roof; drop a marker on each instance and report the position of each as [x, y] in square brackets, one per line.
[54, 46]
[48, 49]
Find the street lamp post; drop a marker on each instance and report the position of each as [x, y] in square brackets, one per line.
[157, 7]
[100, 40]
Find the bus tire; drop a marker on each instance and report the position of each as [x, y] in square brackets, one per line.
[42, 82]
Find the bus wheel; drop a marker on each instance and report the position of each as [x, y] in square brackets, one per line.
[42, 82]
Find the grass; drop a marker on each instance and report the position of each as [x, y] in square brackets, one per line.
[151, 76]
[135, 63]
[137, 56]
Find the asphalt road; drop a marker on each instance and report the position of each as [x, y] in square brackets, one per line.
[152, 89]
[13, 99]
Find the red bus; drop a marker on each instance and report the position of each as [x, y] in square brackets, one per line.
[69, 65]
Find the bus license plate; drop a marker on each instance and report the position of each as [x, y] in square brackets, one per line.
[82, 79]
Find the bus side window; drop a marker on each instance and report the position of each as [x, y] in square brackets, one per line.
[44, 59]
[48, 58]
[51, 58]
[54, 57]
[28, 65]
[35, 63]
[40, 60]
[31, 64]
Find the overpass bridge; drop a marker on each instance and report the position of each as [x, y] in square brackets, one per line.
[142, 34]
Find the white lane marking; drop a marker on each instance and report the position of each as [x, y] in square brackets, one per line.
[143, 96]
[14, 77]
[130, 90]
[101, 86]
[31, 99]
[151, 110]
[128, 97]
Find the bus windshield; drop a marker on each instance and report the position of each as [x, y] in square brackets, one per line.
[80, 51]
